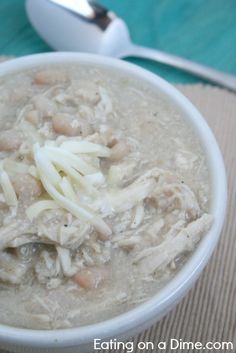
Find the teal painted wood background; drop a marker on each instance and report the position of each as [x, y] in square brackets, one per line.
[200, 30]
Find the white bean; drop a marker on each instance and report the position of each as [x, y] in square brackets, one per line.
[48, 77]
[69, 125]
[119, 151]
[33, 117]
[10, 140]
[26, 186]
[90, 278]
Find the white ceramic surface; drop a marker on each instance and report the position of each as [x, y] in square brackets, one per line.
[135, 320]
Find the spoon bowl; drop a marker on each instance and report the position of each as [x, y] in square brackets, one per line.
[84, 26]
[73, 26]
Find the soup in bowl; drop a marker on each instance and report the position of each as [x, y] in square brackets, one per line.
[112, 198]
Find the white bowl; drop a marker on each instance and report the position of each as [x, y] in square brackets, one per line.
[122, 326]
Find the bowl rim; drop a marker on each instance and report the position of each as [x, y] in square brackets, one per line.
[173, 291]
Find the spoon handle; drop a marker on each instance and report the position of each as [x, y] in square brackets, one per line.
[207, 73]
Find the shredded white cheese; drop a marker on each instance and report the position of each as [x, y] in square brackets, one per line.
[86, 147]
[96, 178]
[36, 208]
[33, 171]
[75, 209]
[8, 190]
[64, 165]
[64, 174]
[78, 163]
[45, 165]
[67, 189]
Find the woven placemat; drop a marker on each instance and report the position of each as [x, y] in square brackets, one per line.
[208, 312]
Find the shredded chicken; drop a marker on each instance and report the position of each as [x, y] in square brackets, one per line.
[152, 259]
[11, 269]
[90, 211]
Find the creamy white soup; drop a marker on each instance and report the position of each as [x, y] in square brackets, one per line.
[104, 194]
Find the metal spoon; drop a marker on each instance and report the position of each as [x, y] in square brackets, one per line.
[82, 25]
